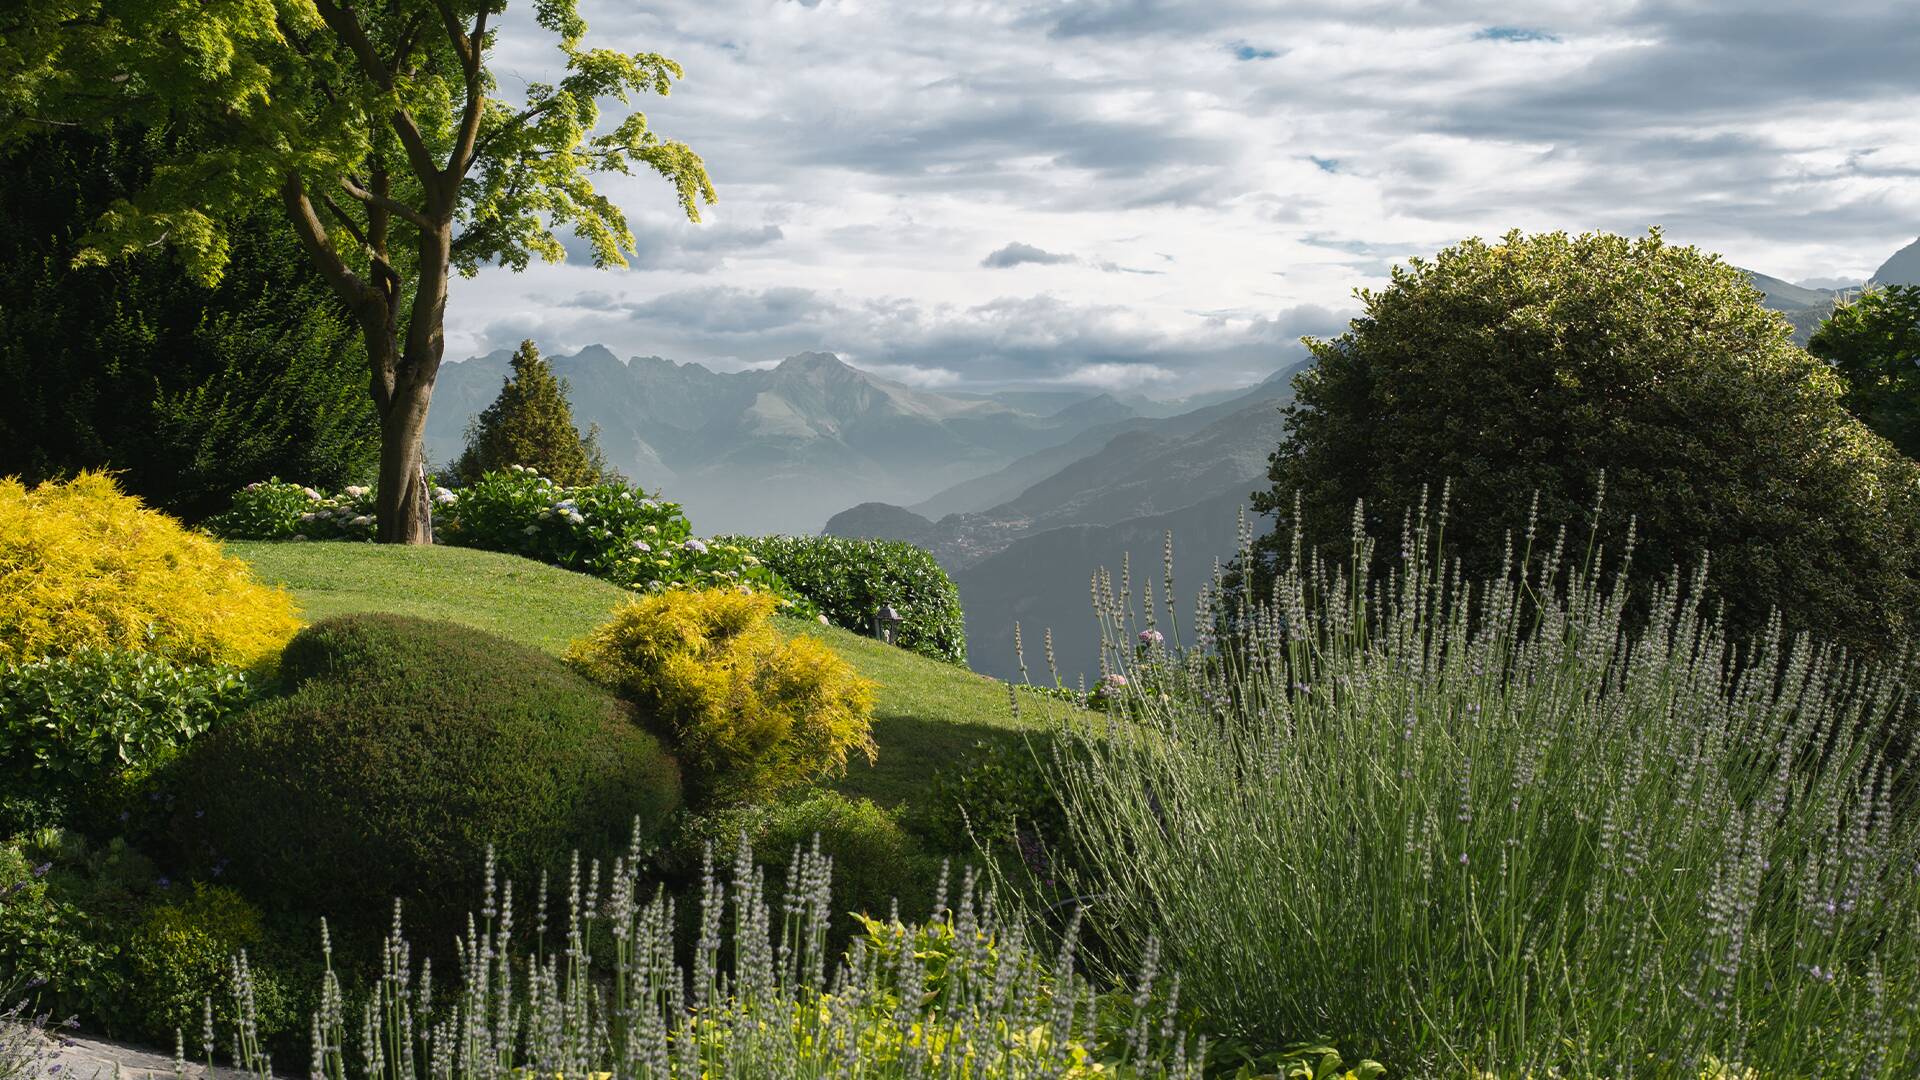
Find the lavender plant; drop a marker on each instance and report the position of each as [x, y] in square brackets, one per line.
[1495, 827]
[598, 993]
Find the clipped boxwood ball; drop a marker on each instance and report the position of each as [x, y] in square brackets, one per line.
[405, 747]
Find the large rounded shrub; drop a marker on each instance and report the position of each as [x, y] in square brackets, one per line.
[1534, 363]
[407, 747]
[84, 566]
[850, 580]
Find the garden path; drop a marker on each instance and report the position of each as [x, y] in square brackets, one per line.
[92, 1058]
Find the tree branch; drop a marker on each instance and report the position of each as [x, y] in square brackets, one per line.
[392, 206]
[469, 45]
[519, 121]
[348, 29]
[313, 236]
[345, 220]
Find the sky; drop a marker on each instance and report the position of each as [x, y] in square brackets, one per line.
[1164, 197]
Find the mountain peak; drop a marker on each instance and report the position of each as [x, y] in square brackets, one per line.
[1902, 269]
[812, 361]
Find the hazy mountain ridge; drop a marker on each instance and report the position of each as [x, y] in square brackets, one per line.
[773, 449]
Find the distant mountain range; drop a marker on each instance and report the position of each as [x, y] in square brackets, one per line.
[1024, 542]
[776, 450]
[1805, 307]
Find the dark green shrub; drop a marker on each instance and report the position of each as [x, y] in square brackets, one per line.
[405, 748]
[875, 860]
[78, 725]
[1535, 363]
[1874, 343]
[850, 580]
[63, 924]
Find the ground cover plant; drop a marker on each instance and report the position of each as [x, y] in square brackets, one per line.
[1489, 826]
[852, 580]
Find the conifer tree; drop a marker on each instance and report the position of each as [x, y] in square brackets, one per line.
[531, 424]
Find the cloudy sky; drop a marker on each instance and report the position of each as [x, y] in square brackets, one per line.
[1164, 196]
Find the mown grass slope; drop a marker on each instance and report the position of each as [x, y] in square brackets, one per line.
[928, 714]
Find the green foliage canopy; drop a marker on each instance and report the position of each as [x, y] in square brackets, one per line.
[531, 424]
[1533, 363]
[1874, 343]
[378, 131]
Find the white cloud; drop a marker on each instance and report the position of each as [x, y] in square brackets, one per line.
[1165, 168]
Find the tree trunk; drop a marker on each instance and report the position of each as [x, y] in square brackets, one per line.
[404, 511]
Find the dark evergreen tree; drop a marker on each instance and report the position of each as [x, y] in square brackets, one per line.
[531, 424]
[192, 391]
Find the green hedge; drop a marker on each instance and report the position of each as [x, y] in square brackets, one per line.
[405, 748]
[849, 580]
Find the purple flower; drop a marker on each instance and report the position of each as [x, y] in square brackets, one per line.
[41, 870]
[694, 545]
[1151, 637]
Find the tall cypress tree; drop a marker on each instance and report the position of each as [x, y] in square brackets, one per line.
[531, 424]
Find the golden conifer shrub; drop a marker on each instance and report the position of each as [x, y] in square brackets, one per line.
[749, 710]
[85, 565]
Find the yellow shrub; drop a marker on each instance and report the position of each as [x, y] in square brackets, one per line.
[749, 710]
[83, 565]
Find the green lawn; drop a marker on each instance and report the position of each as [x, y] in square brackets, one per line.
[928, 714]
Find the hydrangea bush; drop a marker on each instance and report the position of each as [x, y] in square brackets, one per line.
[277, 510]
[851, 580]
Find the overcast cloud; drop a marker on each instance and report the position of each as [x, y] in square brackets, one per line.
[1164, 196]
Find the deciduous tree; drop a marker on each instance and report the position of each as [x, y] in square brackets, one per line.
[377, 127]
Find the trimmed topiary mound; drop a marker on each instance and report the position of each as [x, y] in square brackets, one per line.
[405, 748]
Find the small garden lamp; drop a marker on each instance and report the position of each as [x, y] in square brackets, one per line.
[885, 622]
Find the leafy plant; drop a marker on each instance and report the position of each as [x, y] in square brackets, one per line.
[83, 566]
[405, 749]
[77, 724]
[1485, 827]
[850, 581]
[181, 954]
[876, 862]
[750, 712]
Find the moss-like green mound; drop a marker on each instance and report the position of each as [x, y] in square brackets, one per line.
[405, 747]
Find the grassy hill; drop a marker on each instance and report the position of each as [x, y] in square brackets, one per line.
[928, 714]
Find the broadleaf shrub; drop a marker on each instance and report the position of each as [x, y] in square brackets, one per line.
[84, 566]
[750, 711]
[78, 723]
[850, 580]
[406, 747]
